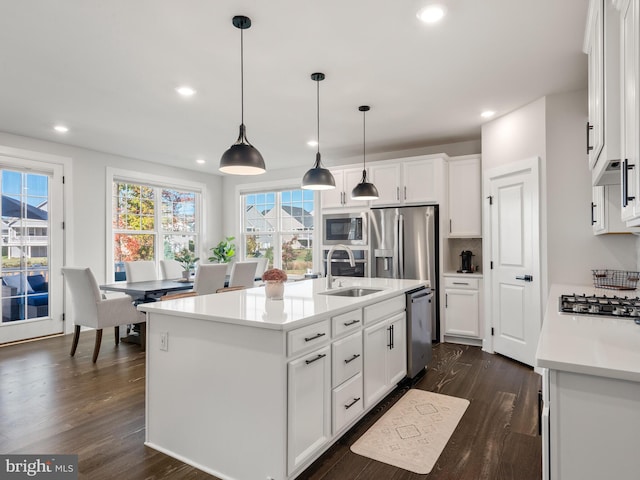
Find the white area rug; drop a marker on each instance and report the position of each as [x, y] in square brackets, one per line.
[413, 433]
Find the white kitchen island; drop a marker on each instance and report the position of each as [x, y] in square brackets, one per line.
[244, 387]
[591, 391]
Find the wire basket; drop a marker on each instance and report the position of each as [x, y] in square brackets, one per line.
[615, 279]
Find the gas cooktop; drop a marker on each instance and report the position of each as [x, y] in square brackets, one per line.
[601, 305]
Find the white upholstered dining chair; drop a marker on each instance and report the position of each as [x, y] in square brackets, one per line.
[171, 269]
[243, 274]
[209, 278]
[263, 264]
[90, 309]
[141, 271]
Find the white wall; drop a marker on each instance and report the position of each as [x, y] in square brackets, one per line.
[88, 189]
[516, 136]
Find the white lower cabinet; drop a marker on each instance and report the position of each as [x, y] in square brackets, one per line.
[590, 427]
[385, 357]
[345, 370]
[309, 408]
[347, 402]
[462, 307]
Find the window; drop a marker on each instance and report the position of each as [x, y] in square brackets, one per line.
[152, 222]
[279, 226]
[24, 266]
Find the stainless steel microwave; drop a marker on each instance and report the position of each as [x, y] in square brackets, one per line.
[346, 228]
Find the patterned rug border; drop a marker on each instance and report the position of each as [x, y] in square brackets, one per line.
[413, 433]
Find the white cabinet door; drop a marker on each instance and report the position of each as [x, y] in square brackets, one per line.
[376, 341]
[346, 179]
[422, 181]
[386, 177]
[595, 51]
[352, 177]
[385, 357]
[397, 353]
[598, 210]
[461, 312]
[628, 57]
[465, 198]
[334, 198]
[309, 405]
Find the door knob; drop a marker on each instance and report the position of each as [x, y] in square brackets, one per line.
[526, 278]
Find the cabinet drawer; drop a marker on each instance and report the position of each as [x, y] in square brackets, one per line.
[346, 322]
[308, 337]
[459, 282]
[347, 403]
[382, 310]
[347, 358]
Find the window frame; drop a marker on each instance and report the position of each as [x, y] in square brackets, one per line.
[276, 187]
[157, 183]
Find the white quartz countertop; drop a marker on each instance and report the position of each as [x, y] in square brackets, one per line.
[592, 345]
[303, 303]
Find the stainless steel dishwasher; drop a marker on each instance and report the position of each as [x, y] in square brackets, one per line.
[419, 312]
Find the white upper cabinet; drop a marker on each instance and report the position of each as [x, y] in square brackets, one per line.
[630, 180]
[339, 197]
[605, 211]
[415, 180]
[602, 44]
[465, 198]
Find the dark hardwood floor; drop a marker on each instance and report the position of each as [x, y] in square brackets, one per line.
[51, 403]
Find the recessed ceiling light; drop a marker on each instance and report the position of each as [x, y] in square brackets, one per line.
[201, 161]
[431, 14]
[186, 91]
[61, 129]
[487, 114]
[312, 143]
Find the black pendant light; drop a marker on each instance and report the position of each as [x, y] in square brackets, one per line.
[242, 158]
[364, 190]
[318, 178]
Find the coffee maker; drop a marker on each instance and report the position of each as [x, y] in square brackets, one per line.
[466, 266]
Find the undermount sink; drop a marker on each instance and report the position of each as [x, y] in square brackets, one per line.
[352, 292]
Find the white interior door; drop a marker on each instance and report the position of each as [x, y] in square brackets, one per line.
[515, 308]
[31, 249]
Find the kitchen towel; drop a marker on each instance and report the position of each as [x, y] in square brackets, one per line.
[413, 432]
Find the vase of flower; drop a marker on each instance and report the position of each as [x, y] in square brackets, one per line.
[274, 289]
[274, 279]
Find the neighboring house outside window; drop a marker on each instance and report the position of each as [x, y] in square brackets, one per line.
[279, 226]
[152, 222]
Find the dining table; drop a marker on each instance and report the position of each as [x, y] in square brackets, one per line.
[148, 290]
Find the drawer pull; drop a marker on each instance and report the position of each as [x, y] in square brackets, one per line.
[317, 335]
[322, 355]
[349, 360]
[355, 400]
[352, 322]
[460, 283]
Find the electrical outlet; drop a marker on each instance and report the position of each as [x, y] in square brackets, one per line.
[164, 341]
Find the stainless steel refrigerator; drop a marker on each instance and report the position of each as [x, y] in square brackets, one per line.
[404, 244]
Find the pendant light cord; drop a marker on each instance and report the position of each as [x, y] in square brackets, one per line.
[242, 76]
[364, 139]
[318, 112]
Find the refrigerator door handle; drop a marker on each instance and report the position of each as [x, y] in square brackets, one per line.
[428, 245]
[401, 245]
[396, 243]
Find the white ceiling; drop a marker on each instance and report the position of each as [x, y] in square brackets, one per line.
[108, 70]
